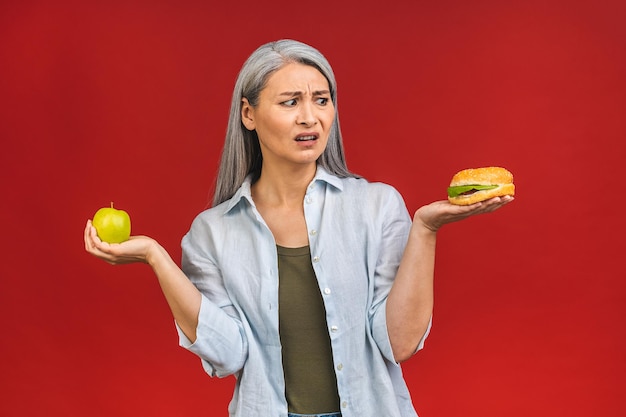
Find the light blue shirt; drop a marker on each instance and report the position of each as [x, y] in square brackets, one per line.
[357, 234]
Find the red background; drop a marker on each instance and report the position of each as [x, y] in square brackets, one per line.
[128, 101]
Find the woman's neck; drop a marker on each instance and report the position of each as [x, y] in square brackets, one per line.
[283, 187]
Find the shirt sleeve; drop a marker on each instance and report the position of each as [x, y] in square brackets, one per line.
[395, 226]
[220, 338]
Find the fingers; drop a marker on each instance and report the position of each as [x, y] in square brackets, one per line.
[86, 235]
[439, 213]
[490, 205]
[94, 245]
[90, 236]
[497, 202]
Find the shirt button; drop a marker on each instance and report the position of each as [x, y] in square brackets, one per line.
[340, 367]
[316, 259]
[344, 404]
[334, 328]
[313, 232]
[308, 200]
[327, 291]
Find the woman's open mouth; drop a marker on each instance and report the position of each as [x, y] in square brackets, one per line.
[306, 138]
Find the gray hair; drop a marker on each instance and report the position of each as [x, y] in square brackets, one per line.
[241, 155]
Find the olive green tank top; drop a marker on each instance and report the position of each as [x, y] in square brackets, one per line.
[310, 381]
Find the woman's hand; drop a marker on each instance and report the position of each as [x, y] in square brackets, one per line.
[135, 249]
[435, 215]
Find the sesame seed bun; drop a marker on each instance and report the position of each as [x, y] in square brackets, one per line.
[490, 176]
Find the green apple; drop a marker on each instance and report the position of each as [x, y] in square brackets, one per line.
[112, 225]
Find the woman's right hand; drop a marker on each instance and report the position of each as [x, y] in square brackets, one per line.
[135, 249]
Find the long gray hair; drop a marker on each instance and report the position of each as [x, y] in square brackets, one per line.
[241, 155]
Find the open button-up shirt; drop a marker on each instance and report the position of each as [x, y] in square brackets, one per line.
[357, 234]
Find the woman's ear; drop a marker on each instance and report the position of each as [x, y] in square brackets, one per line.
[247, 114]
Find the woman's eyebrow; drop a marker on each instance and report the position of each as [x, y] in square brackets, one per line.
[300, 93]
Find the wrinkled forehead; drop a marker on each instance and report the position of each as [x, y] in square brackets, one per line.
[296, 77]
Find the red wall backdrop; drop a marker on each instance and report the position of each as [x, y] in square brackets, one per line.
[128, 101]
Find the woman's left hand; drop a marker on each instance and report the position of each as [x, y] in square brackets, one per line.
[435, 215]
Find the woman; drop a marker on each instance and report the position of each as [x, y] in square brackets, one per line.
[306, 282]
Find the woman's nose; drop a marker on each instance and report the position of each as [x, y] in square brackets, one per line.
[306, 115]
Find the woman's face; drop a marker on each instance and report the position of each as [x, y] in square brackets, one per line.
[293, 117]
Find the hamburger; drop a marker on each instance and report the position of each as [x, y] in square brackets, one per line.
[472, 185]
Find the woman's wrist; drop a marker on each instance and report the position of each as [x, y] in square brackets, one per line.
[155, 254]
[423, 228]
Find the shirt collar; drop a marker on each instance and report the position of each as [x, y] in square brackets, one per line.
[322, 175]
[244, 191]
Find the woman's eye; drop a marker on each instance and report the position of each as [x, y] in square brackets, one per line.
[322, 101]
[289, 103]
